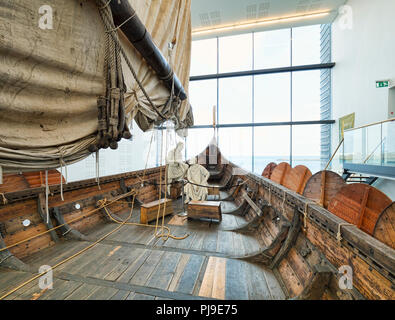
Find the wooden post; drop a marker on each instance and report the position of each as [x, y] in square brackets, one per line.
[41, 206]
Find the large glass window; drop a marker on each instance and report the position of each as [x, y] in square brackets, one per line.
[306, 95]
[272, 94]
[204, 57]
[306, 44]
[235, 53]
[272, 49]
[306, 146]
[259, 110]
[203, 96]
[235, 100]
[271, 144]
[236, 145]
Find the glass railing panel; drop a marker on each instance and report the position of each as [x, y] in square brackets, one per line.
[354, 146]
[389, 143]
[373, 144]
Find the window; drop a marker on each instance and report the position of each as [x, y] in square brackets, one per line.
[203, 96]
[197, 140]
[260, 107]
[235, 100]
[271, 144]
[306, 45]
[235, 53]
[306, 95]
[306, 146]
[272, 49]
[204, 57]
[272, 94]
[236, 145]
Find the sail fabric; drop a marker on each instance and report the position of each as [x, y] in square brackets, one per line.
[50, 78]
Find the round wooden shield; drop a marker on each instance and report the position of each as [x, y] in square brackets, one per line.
[385, 226]
[359, 204]
[267, 172]
[323, 186]
[279, 172]
[297, 178]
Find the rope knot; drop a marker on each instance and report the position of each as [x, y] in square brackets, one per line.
[115, 93]
[5, 201]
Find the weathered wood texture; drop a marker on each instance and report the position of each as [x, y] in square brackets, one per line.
[359, 204]
[323, 186]
[13, 182]
[267, 172]
[204, 209]
[82, 193]
[151, 210]
[385, 226]
[279, 173]
[297, 178]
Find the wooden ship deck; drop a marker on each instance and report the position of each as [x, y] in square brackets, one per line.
[271, 243]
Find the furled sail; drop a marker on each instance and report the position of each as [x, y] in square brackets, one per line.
[52, 62]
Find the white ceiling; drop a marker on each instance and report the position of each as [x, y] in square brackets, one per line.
[212, 13]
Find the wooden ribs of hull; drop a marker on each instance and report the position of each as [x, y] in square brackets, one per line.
[323, 186]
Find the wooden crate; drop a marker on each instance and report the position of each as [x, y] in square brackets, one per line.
[149, 210]
[205, 209]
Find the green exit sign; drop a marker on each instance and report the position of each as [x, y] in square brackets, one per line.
[382, 84]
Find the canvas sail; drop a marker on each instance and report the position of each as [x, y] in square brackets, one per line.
[50, 78]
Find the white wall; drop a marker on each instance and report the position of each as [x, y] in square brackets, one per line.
[363, 54]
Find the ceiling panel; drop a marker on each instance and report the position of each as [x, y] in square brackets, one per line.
[211, 14]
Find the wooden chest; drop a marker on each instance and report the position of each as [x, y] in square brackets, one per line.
[213, 191]
[175, 190]
[149, 210]
[205, 209]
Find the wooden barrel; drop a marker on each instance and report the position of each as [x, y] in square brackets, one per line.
[385, 226]
[280, 172]
[267, 172]
[323, 186]
[359, 204]
[297, 178]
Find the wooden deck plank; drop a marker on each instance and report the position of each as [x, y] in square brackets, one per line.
[236, 282]
[83, 292]
[256, 280]
[60, 292]
[127, 275]
[120, 295]
[179, 271]
[163, 273]
[190, 275]
[103, 293]
[143, 273]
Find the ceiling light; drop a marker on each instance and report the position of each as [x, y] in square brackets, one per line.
[258, 23]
